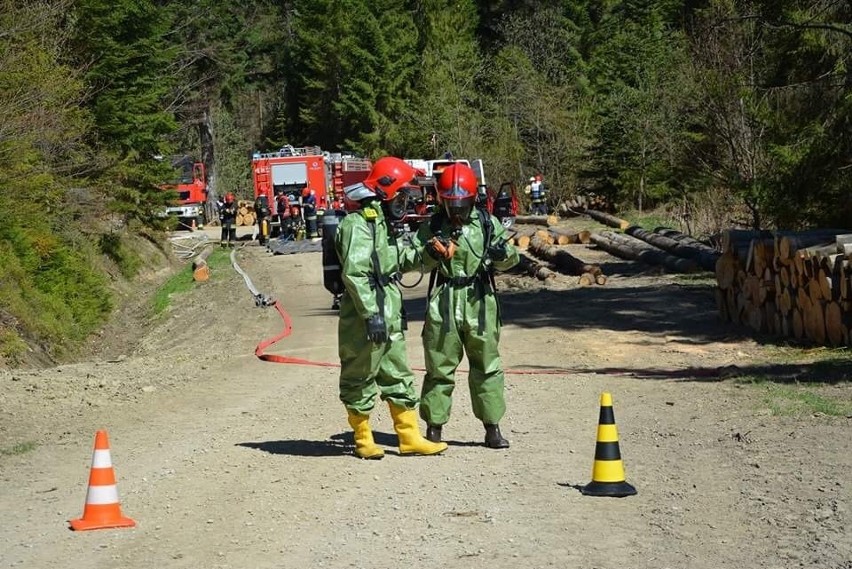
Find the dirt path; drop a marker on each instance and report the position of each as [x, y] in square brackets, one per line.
[229, 462]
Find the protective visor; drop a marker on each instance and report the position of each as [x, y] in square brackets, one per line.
[358, 192]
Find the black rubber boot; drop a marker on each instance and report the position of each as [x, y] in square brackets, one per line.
[493, 438]
[433, 433]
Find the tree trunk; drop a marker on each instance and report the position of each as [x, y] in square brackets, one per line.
[705, 261]
[564, 261]
[535, 269]
[686, 240]
[537, 220]
[608, 219]
[200, 269]
[628, 247]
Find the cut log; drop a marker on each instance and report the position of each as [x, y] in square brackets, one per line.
[686, 239]
[726, 270]
[607, 219]
[522, 237]
[834, 330]
[536, 269]
[544, 235]
[200, 269]
[791, 241]
[545, 220]
[564, 261]
[587, 279]
[736, 239]
[706, 261]
[565, 236]
[798, 326]
[628, 247]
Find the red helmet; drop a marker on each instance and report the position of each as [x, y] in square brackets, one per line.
[457, 191]
[389, 175]
[229, 197]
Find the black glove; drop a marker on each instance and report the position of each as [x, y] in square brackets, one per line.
[377, 332]
[498, 252]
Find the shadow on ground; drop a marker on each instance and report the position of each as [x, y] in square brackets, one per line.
[668, 309]
[831, 371]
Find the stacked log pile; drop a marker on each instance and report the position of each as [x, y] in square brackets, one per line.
[578, 204]
[245, 213]
[794, 284]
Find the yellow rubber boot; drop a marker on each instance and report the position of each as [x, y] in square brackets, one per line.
[408, 431]
[365, 447]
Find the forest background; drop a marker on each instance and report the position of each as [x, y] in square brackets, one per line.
[725, 113]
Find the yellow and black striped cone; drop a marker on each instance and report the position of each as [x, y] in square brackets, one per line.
[608, 471]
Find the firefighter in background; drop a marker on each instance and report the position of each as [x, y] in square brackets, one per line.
[309, 208]
[463, 245]
[337, 205]
[297, 222]
[228, 219]
[261, 208]
[535, 190]
[371, 339]
[282, 206]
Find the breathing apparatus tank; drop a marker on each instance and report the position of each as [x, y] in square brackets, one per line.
[332, 277]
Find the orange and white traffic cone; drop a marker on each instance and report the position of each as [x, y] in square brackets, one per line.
[102, 509]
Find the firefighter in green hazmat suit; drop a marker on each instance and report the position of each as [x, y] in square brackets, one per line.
[371, 340]
[464, 244]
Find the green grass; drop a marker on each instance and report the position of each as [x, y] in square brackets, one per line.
[818, 356]
[798, 400]
[799, 381]
[12, 347]
[20, 448]
[648, 220]
[697, 279]
[219, 261]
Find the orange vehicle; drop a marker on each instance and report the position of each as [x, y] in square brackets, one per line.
[190, 206]
[292, 169]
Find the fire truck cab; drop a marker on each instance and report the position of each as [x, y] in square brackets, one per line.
[189, 206]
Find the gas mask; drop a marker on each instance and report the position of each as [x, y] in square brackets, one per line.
[401, 204]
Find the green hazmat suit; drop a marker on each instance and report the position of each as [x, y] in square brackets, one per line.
[462, 317]
[368, 370]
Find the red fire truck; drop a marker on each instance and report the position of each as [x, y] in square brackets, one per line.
[191, 188]
[290, 170]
